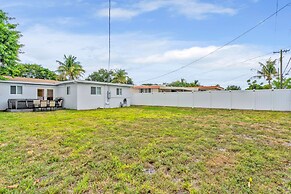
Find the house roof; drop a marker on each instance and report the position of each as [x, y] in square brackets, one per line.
[180, 88]
[210, 88]
[147, 87]
[54, 82]
[30, 80]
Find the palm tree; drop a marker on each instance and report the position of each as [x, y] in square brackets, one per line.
[268, 71]
[70, 68]
[120, 76]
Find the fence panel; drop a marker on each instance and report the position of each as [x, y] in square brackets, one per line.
[185, 99]
[279, 100]
[202, 99]
[242, 99]
[221, 99]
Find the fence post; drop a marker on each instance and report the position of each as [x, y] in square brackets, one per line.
[210, 99]
[273, 99]
[192, 99]
[230, 99]
[254, 94]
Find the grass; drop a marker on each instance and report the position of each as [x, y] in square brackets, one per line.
[145, 149]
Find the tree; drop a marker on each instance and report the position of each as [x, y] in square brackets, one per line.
[9, 41]
[253, 85]
[28, 70]
[184, 83]
[115, 76]
[286, 83]
[102, 75]
[268, 71]
[35, 71]
[233, 87]
[119, 76]
[70, 68]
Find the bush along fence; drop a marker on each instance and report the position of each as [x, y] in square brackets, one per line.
[274, 100]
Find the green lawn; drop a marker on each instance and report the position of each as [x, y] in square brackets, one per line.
[145, 149]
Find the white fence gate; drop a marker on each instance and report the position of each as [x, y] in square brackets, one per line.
[276, 100]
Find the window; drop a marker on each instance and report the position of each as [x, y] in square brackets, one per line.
[50, 94]
[15, 89]
[40, 94]
[68, 90]
[95, 90]
[118, 91]
[12, 89]
[147, 90]
[98, 90]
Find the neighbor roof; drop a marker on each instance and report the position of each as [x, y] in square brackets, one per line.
[147, 87]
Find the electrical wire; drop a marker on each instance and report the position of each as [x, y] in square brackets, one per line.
[219, 48]
[287, 65]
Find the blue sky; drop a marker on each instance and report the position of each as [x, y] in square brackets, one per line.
[153, 37]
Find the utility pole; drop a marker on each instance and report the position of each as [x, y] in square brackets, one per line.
[281, 65]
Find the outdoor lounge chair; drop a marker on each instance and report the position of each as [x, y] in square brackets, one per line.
[36, 104]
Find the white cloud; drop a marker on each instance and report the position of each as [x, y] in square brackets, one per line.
[118, 13]
[142, 56]
[189, 8]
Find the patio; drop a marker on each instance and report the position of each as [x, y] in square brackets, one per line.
[29, 105]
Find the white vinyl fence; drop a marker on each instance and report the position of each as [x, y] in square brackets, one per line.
[277, 100]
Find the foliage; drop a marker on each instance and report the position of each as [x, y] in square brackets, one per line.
[286, 83]
[70, 68]
[268, 71]
[233, 87]
[9, 41]
[253, 85]
[145, 150]
[28, 70]
[120, 76]
[184, 83]
[9, 70]
[102, 75]
[113, 76]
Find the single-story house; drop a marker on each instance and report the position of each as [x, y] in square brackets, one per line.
[77, 94]
[160, 88]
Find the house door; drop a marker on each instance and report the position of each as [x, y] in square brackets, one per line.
[40, 94]
[50, 94]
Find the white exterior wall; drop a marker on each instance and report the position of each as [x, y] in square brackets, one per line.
[29, 91]
[86, 101]
[278, 100]
[70, 101]
[115, 100]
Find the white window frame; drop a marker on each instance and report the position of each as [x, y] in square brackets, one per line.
[118, 91]
[94, 93]
[146, 90]
[98, 90]
[16, 89]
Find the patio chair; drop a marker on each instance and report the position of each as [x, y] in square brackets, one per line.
[60, 103]
[52, 105]
[36, 104]
[43, 105]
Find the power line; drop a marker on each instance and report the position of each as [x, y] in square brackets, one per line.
[287, 65]
[221, 47]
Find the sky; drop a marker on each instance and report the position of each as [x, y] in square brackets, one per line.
[150, 38]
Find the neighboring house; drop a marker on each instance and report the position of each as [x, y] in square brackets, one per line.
[77, 94]
[157, 88]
